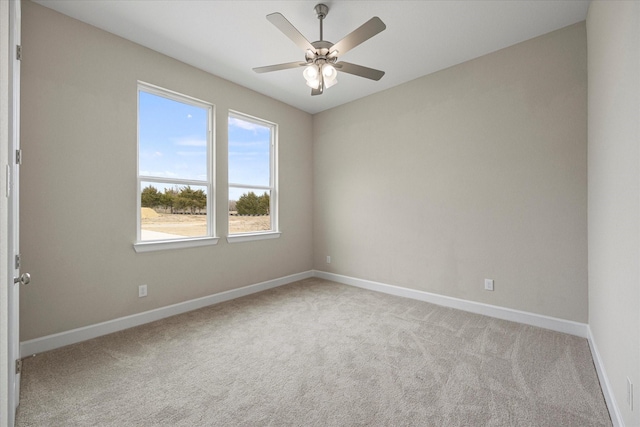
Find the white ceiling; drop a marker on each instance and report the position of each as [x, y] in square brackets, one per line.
[229, 38]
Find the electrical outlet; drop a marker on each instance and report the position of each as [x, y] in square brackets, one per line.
[488, 284]
[328, 259]
[142, 291]
[630, 393]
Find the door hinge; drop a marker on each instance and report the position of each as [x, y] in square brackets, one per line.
[17, 265]
[18, 366]
[19, 52]
[18, 157]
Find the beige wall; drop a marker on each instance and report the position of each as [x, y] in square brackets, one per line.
[613, 33]
[79, 181]
[477, 171]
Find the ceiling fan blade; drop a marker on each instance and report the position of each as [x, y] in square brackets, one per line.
[361, 34]
[279, 67]
[290, 31]
[359, 70]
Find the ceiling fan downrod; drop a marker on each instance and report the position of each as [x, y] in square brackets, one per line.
[323, 53]
[321, 12]
[320, 73]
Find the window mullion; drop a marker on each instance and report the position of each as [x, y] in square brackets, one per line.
[251, 187]
[173, 180]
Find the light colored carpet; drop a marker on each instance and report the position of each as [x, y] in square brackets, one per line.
[318, 353]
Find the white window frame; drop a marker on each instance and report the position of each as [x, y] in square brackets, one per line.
[274, 233]
[187, 242]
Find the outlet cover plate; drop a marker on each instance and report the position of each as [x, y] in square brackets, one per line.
[488, 284]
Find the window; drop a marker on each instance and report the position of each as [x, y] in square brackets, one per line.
[253, 196]
[175, 170]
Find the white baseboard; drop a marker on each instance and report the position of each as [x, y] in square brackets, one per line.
[607, 390]
[546, 322]
[560, 325]
[73, 336]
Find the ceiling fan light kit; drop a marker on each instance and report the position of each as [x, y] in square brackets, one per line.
[321, 57]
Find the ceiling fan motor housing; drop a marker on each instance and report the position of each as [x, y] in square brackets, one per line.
[322, 53]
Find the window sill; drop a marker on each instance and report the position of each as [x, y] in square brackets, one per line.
[248, 237]
[161, 245]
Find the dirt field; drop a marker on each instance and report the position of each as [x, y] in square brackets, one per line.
[196, 225]
[246, 224]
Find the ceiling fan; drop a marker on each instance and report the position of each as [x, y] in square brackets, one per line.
[321, 57]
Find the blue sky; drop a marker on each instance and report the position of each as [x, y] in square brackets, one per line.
[172, 138]
[248, 155]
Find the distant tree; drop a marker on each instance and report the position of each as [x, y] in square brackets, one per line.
[167, 199]
[232, 205]
[199, 200]
[180, 204]
[264, 206]
[247, 204]
[251, 204]
[190, 200]
[150, 197]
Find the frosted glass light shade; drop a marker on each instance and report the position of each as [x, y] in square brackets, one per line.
[330, 75]
[312, 75]
[313, 84]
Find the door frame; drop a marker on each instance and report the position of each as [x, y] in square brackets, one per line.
[4, 215]
[10, 16]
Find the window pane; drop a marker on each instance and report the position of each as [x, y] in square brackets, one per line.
[172, 138]
[170, 211]
[249, 210]
[249, 150]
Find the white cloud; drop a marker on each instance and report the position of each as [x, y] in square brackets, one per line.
[191, 142]
[242, 124]
[150, 155]
[245, 153]
[191, 153]
[245, 144]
